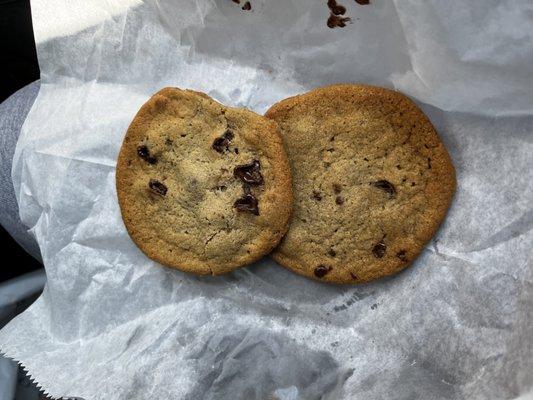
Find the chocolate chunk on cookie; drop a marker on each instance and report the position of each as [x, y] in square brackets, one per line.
[144, 153]
[379, 249]
[248, 202]
[386, 186]
[371, 179]
[321, 271]
[221, 144]
[203, 187]
[249, 173]
[157, 187]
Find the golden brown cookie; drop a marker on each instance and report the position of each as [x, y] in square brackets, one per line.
[202, 187]
[372, 182]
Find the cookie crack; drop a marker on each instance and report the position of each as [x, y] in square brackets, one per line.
[210, 238]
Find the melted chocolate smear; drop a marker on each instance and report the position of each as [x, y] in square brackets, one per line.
[379, 249]
[247, 203]
[335, 21]
[247, 6]
[335, 8]
[221, 144]
[386, 186]
[144, 153]
[339, 200]
[321, 271]
[157, 187]
[402, 255]
[362, 2]
[249, 173]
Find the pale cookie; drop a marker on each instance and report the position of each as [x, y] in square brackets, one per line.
[372, 182]
[202, 187]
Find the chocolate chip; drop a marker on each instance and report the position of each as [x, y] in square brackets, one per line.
[168, 142]
[157, 187]
[362, 2]
[222, 143]
[379, 249]
[337, 188]
[144, 153]
[236, 150]
[402, 255]
[322, 270]
[337, 22]
[247, 6]
[332, 253]
[249, 173]
[386, 186]
[429, 163]
[339, 200]
[247, 203]
[316, 195]
[354, 277]
[237, 1]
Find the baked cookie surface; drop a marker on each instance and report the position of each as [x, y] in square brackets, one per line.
[202, 187]
[372, 182]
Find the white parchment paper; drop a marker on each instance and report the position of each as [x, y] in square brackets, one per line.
[111, 324]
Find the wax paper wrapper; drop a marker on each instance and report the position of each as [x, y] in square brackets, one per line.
[111, 324]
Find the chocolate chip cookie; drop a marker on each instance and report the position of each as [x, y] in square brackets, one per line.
[372, 182]
[203, 187]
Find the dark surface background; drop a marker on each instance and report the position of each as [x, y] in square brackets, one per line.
[18, 67]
